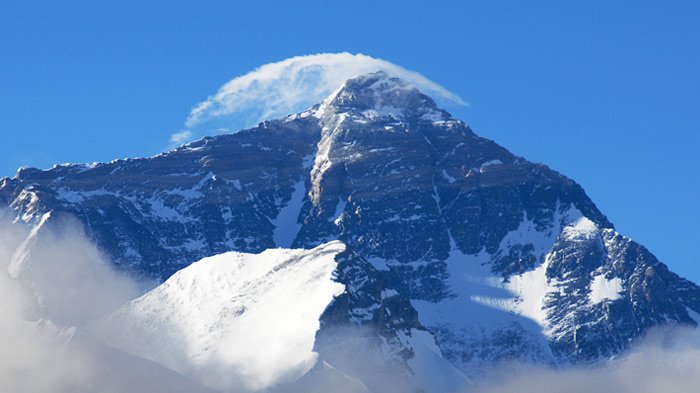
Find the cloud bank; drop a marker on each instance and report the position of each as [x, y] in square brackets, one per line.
[667, 360]
[290, 86]
[53, 280]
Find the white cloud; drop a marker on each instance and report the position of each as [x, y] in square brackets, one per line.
[667, 360]
[180, 137]
[289, 86]
[61, 282]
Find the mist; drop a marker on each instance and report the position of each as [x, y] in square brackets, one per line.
[666, 360]
[53, 281]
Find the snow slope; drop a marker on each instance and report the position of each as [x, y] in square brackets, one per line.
[233, 321]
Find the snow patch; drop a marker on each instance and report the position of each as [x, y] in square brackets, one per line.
[287, 221]
[379, 263]
[580, 229]
[604, 289]
[18, 262]
[491, 163]
[693, 315]
[531, 287]
[387, 293]
[236, 184]
[339, 209]
[432, 372]
[447, 177]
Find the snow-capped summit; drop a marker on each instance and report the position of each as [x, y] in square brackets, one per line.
[379, 94]
[449, 237]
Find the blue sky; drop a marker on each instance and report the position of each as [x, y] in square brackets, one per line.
[604, 92]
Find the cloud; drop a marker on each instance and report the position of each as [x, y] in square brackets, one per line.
[52, 281]
[71, 281]
[667, 360]
[290, 86]
[180, 137]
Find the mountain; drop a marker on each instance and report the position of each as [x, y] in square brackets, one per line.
[220, 313]
[248, 322]
[447, 235]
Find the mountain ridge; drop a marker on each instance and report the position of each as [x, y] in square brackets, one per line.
[497, 257]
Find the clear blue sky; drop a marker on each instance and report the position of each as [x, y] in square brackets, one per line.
[606, 92]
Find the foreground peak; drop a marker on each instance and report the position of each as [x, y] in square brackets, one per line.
[383, 94]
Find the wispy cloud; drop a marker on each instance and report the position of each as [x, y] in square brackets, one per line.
[180, 137]
[289, 86]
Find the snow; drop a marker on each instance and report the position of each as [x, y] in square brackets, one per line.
[693, 315]
[30, 200]
[491, 163]
[162, 211]
[379, 263]
[434, 116]
[380, 111]
[476, 292]
[604, 289]
[500, 304]
[339, 209]
[236, 184]
[18, 262]
[77, 196]
[287, 221]
[581, 228]
[432, 372]
[185, 193]
[447, 177]
[209, 177]
[387, 293]
[531, 288]
[233, 321]
[322, 161]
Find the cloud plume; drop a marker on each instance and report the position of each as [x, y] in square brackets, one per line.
[289, 86]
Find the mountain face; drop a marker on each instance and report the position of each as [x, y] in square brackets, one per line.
[247, 322]
[445, 233]
[211, 319]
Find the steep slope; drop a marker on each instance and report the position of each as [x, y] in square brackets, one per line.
[233, 321]
[247, 322]
[499, 258]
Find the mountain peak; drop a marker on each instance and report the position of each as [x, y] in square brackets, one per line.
[379, 94]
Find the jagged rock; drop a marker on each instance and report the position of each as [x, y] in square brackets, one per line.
[498, 257]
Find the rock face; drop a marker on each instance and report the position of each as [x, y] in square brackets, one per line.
[497, 257]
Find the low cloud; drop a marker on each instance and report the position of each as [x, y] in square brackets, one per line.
[53, 280]
[35, 357]
[667, 360]
[290, 86]
[181, 137]
[70, 281]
